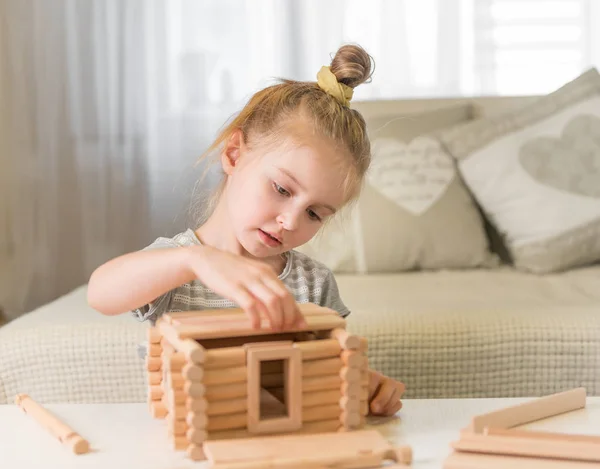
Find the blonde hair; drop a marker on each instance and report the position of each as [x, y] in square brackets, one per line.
[267, 116]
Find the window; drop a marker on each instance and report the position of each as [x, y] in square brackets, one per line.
[529, 46]
[269, 412]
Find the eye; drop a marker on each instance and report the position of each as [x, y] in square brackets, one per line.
[280, 189]
[313, 215]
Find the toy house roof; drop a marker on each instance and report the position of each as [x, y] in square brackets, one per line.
[216, 324]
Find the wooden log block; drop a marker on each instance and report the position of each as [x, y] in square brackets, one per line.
[50, 422]
[175, 380]
[177, 397]
[192, 350]
[319, 349]
[243, 328]
[237, 374]
[527, 446]
[364, 408]
[349, 404]
[177, 427]
[154, 377]
[227, 422]
[350, 419]
[153, 363]
[327, 366]
[155, 392]
[195, 453]
[319, 426]
[346, 340]
[350, 375]
[196, 420]
[311, 399]
[462, 460]
[154, 350]
[178, 412]
[176, 361]
[226, 391]
[353, 359]
[188, 347]
[321, 383]
[196, 404]
[196, 436]
[179, 443]
[158, 410]
[224, 358]
[355, 390]
[322, 412]
[519, 433]
[192, 372]
[535, 409]
[193, 389]
[153, 335]
[228, 406]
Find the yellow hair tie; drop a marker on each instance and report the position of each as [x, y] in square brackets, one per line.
[327, 81]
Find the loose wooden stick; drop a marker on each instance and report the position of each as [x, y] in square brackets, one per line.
[535, 447]
[460, 460]
[521, 433]
[401, 455]
[537, 409]
[65, 434]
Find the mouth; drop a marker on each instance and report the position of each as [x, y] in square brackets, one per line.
[270, 238]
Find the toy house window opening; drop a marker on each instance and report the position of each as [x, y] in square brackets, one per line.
[275, 384]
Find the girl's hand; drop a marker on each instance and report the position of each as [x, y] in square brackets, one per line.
[384, 394]
[249, 283]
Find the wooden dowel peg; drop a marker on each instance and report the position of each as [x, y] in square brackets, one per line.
[346, 340]
[65, 434]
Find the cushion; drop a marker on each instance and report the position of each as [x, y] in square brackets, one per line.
[536, 173]
[415, 211]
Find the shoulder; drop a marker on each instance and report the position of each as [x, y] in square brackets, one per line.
[185, 238]
[313, 282]
[306, 266]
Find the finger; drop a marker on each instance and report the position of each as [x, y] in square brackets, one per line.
[270, 302]
[382, 397]
[249, 304]
[289, 307]
[375, 379]
[395, 408]
[393, 400]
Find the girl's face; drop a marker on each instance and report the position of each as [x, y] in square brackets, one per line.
[278, 200]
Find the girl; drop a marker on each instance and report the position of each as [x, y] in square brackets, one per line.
[293, 157]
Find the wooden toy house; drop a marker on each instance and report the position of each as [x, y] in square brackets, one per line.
[213, 376]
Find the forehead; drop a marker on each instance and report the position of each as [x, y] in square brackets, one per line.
[319, 167]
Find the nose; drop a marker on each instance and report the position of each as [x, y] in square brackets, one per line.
[288, 221]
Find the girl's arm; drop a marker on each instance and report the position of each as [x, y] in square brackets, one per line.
[133, 280]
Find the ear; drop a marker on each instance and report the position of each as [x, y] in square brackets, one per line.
[232, 152]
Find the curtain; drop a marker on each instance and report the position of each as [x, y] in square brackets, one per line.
[106, 105]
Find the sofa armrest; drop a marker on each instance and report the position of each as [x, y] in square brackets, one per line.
[73, 363]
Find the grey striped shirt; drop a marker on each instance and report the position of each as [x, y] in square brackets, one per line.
[308, 280]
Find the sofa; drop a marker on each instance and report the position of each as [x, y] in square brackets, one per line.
[452, 305]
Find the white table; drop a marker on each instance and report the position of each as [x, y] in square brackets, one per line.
[125, 436]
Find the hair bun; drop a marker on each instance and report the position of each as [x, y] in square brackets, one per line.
[352, 65]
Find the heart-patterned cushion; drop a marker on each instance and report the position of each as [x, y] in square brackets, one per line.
[414, 175]
[570, 163]
[535, 171]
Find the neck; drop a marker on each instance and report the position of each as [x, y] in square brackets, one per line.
[217, 231]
